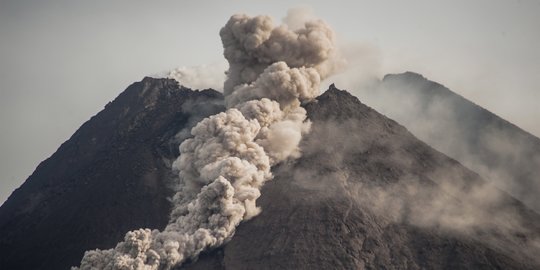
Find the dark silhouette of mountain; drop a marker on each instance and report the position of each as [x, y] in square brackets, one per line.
[107, 179]
[495, 148]
[366, 194]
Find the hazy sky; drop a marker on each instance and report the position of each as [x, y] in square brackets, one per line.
[62, 61]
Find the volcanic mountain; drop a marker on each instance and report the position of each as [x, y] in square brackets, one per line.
[495, 148]
[365, 194]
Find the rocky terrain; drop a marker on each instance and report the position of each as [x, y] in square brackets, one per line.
[327, 211]
[366, 194]
[107, 179]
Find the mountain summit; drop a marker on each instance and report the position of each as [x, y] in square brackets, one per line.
[108, 178]
[365, 194]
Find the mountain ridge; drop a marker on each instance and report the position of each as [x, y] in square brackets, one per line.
[82, 197]
[321, 211]
[353, 236]
[417, 76]
[488, 144]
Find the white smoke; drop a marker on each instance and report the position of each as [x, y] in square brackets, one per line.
[200, 77]
[222, 168]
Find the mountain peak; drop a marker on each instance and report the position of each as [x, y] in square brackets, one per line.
[360, 196]
[110, 177]
[483, 141]
[407, 74]
[340, 103]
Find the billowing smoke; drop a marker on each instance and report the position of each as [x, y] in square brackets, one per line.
[272, 70]
[298, 16]
[200, 77]
[253, 44]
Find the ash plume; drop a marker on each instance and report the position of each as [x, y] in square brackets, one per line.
[253, 44]
[222, 168]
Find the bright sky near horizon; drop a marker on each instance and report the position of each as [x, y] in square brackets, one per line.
[62, 61]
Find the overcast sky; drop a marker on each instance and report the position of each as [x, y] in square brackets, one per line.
[62, 61]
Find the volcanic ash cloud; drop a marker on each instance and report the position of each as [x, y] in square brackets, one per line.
[222, 168]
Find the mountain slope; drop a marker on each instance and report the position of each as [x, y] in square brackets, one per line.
[346, 204]
[365, 194]
[495, 148]
[108, 178]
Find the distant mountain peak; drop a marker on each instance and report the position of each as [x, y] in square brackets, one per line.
[483, 141]
[408, 74]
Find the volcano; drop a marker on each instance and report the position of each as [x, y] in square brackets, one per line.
[495, 148]
[365, 194]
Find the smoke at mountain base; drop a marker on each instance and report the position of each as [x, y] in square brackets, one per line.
[222, 168]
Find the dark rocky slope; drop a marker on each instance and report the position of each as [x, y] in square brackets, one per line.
[322, 211]
[108, 178]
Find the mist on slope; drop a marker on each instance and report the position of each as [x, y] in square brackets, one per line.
[497, 150]
[413, 188]
[506, 159]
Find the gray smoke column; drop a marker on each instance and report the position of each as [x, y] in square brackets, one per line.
[222, 168]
